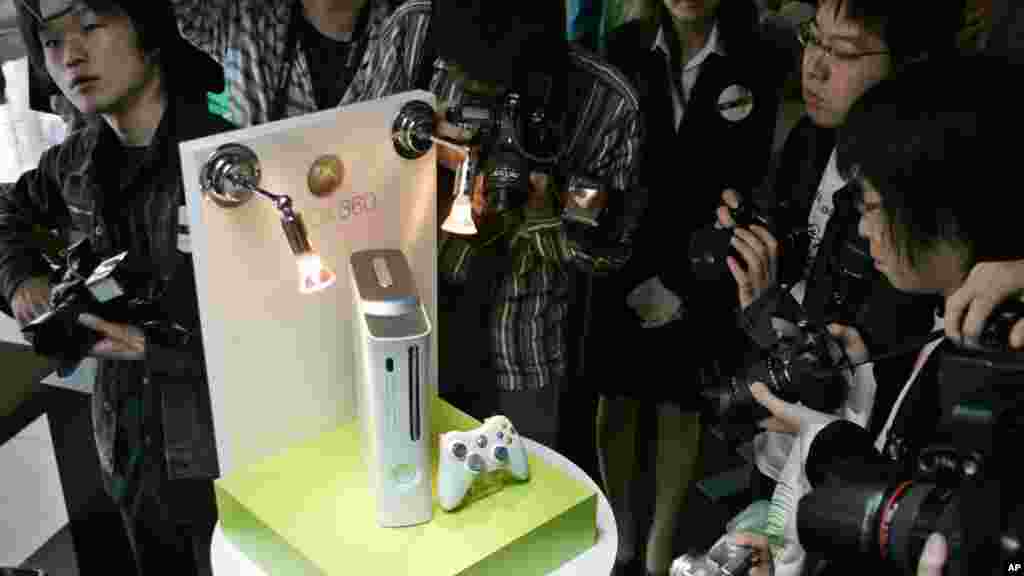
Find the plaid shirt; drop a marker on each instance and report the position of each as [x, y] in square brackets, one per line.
[530, 313]
[249, 38]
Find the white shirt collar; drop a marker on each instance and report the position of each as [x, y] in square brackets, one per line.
[712, 46]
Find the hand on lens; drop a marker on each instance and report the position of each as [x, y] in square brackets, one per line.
[780, 421]
[852, 343]
[478, 198]
[120, 342]
[730, 200]
[31, 299]
[760, 268]
[761, 560]
[988, 285]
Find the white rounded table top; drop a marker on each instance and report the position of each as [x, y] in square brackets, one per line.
[600, 559]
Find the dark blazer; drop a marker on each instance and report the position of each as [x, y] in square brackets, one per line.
[686, 171]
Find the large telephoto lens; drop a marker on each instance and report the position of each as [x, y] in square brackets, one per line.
[861, 510]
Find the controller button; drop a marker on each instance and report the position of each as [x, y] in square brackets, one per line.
[481, 441]
[459, 450]
[476, 463]
[501, 435]
[501, 454]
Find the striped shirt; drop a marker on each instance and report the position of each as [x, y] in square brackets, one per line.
[249, 38]
[528, 320]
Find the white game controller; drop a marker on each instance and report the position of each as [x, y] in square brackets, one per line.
[495, 445]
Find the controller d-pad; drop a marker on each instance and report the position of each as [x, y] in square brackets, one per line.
[476, 463]
[481, 441]
[501, 453]
[459, 450]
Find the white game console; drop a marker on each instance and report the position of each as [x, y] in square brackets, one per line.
[465, 455]
[392, 359]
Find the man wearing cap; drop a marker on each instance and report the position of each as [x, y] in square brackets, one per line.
[285, 59]
[117, 182]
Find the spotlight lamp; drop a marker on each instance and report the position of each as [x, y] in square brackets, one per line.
[231, 177]
[413, 136]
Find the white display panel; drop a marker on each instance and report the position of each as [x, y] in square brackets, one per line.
[281, 363]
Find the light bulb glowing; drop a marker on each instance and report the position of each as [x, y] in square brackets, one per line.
[460, 219]
[313, 275]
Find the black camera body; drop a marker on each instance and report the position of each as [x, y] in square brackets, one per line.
[517, 136]
[514, 137]
[802, 370]
[806, 366]
[109, 289]
[956, 479]
[711, 245]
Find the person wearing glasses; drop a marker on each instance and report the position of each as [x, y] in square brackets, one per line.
[848, 47]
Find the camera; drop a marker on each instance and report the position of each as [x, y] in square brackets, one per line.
[84, 283]
[952, 477]
[804, 364]
[723, 559]
[800, 369]
[711, 245]
[516, 136]
[512, 135]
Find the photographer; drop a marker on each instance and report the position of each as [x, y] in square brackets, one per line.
[906, 139]
[849, 46]
[709, 86]
[505, 298]
[116, 183]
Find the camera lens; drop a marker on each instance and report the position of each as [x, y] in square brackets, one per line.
[862, 506]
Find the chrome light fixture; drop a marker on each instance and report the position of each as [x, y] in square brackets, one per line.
[413, 136]
[231, 177]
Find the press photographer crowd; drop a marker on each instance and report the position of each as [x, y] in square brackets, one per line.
[649, 240]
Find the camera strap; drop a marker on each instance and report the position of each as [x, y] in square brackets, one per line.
[913, 345]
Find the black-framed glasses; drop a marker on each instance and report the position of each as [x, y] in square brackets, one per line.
[807, 34]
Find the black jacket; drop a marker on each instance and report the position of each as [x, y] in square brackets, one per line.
[685, 171]
[66, 196]
[889, 320]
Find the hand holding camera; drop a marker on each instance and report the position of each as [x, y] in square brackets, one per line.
[31, 299]
[91, 310]
[754, 243]
[743, 241]
[988, 285]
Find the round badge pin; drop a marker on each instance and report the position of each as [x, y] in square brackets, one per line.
[325, 175]
[735, 103]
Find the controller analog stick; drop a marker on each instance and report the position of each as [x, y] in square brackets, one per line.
[459, 450]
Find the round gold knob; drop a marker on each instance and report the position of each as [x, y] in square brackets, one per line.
[325, 175]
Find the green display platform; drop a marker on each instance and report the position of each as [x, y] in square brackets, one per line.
[309, 510]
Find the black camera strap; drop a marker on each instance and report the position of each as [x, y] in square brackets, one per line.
[913, 345]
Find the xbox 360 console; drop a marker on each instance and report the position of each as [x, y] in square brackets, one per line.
[392, 358]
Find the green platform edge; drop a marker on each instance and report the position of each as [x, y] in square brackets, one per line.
[537, 551]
